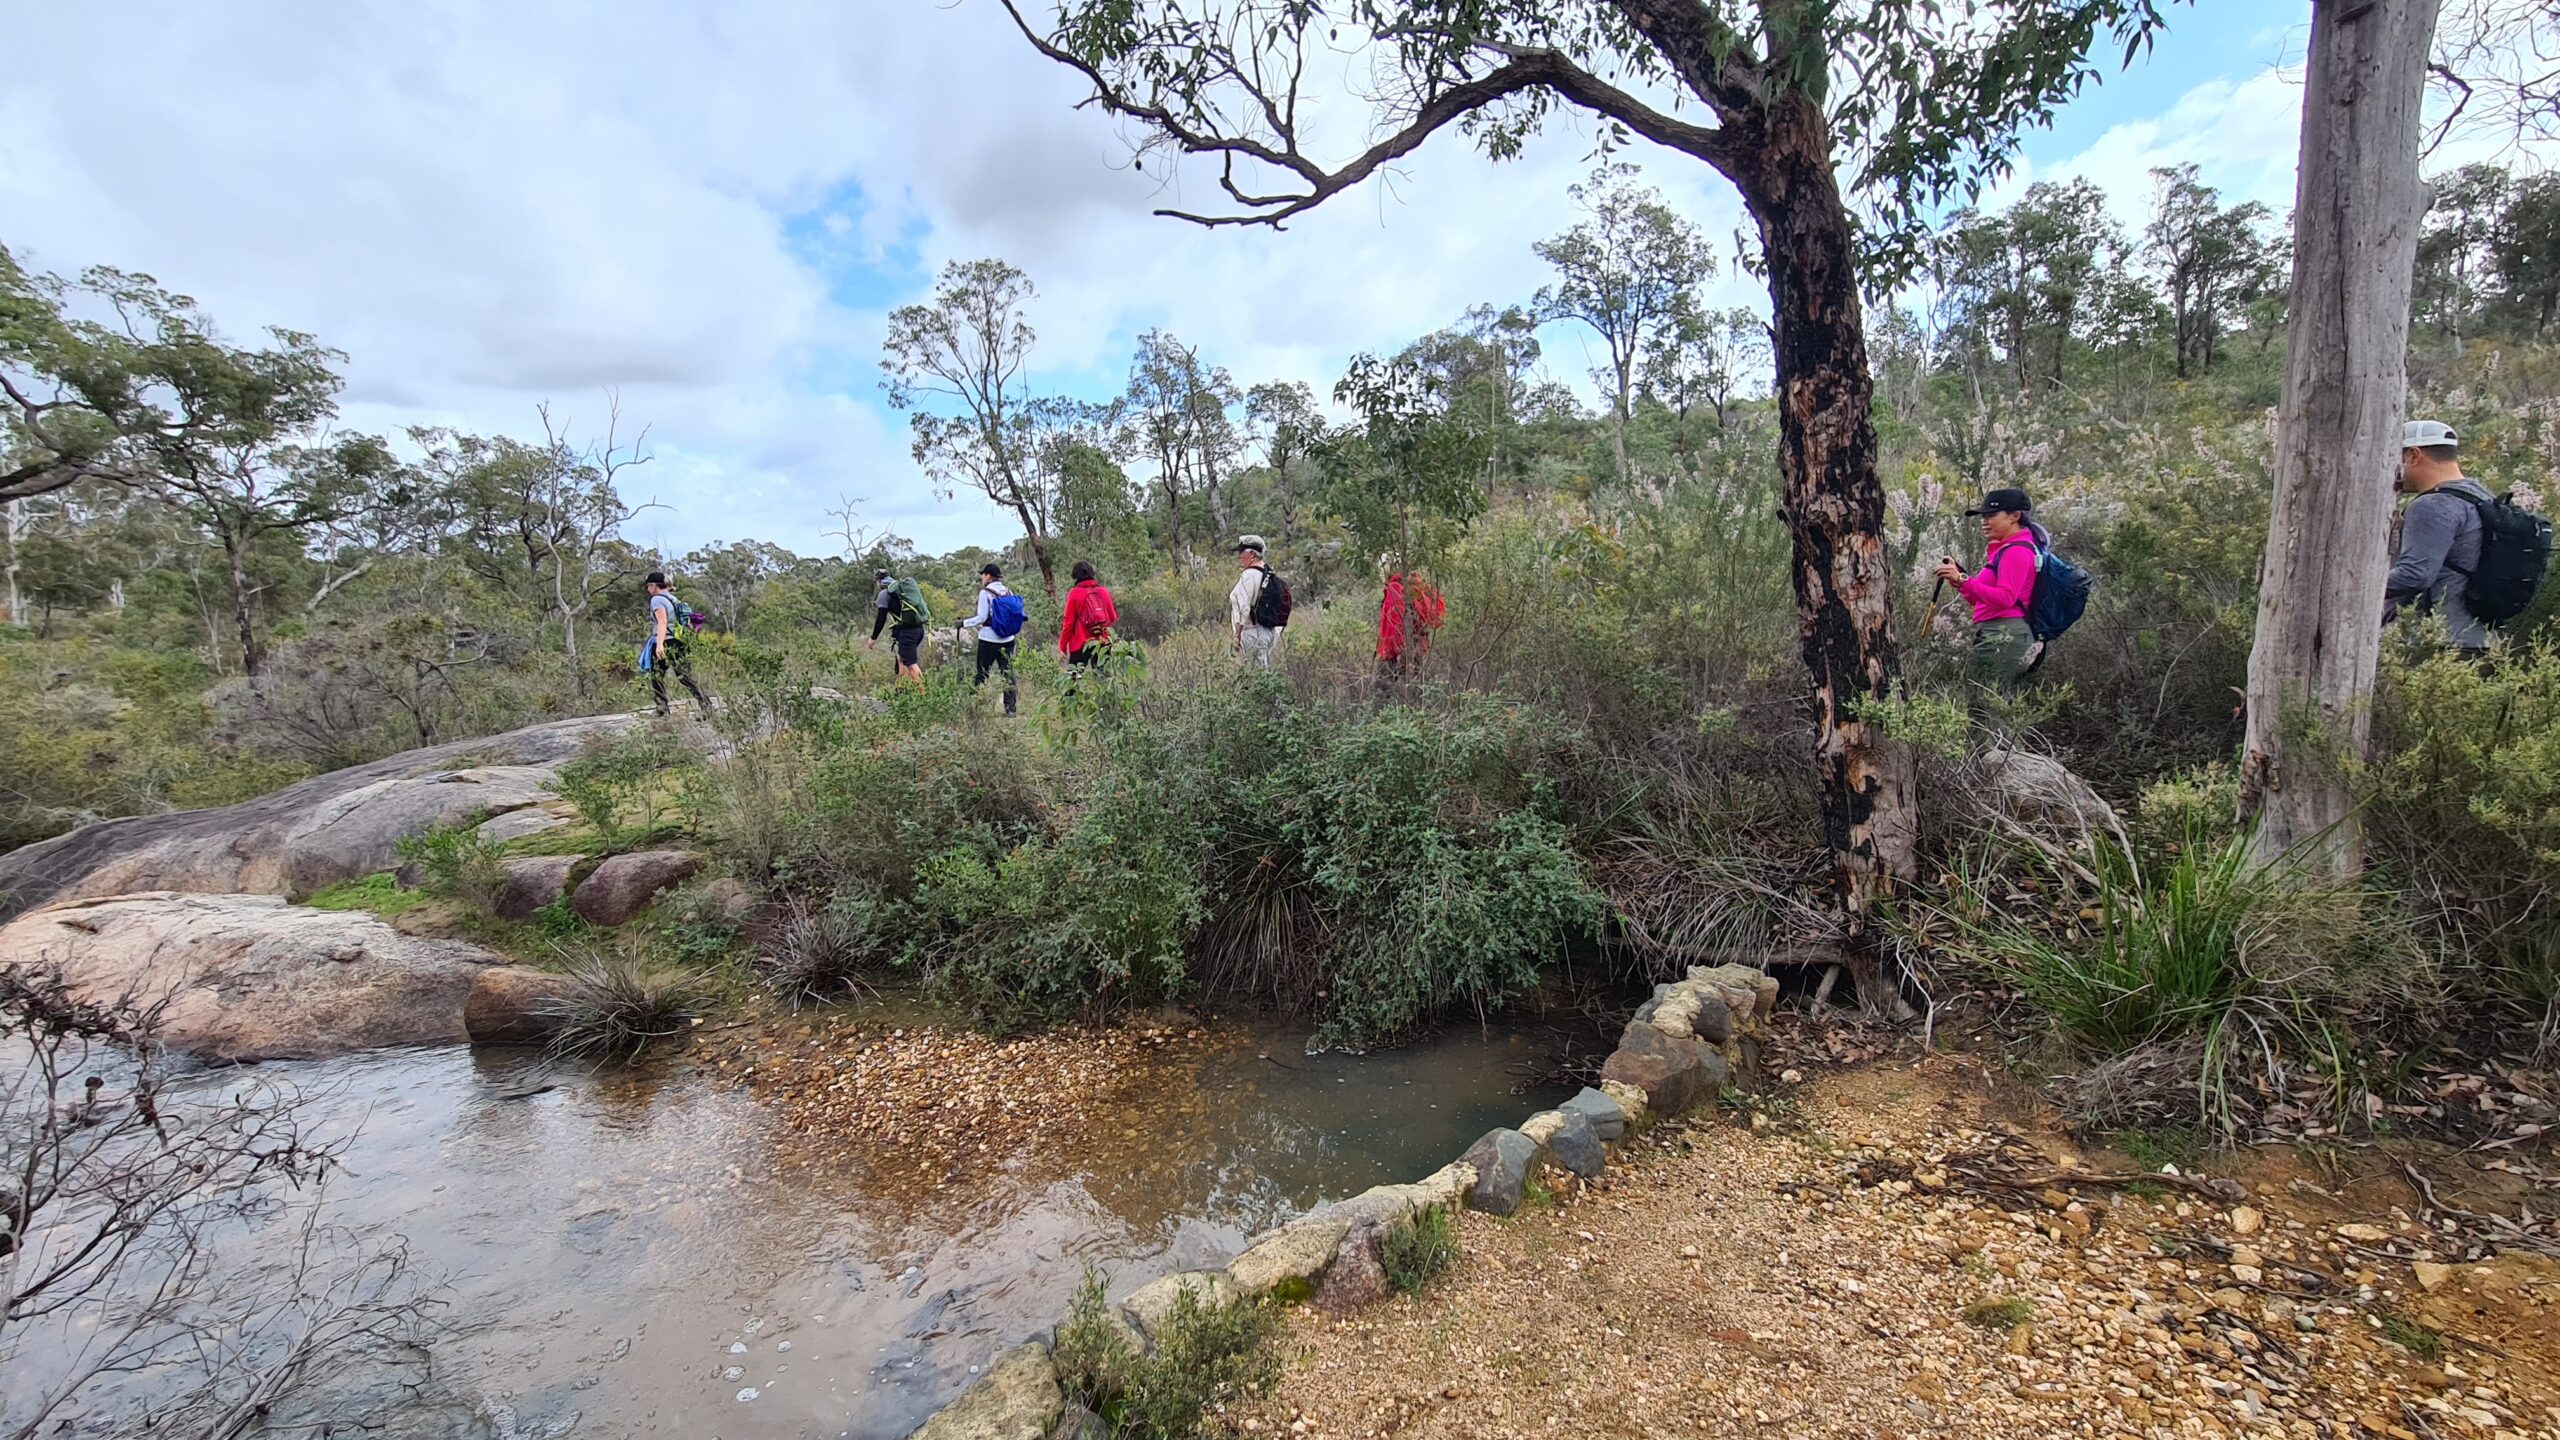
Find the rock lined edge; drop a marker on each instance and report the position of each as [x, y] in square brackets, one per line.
[1719, 1011]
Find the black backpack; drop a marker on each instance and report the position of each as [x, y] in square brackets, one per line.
[1271, 603]
[2515, 548]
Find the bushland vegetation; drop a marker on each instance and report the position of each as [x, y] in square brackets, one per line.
[1600, 768]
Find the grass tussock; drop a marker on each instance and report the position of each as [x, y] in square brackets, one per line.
[1418, 1250]
[2195, 987]
[617, 1005]
[820, 952]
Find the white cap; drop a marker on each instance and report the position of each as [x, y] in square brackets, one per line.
[2418, 434]
[1250, 542]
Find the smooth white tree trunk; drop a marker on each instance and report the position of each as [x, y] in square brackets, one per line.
[2358, 207]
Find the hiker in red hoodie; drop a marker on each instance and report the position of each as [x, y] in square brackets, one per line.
[2003, 645]
[1086, 627]
[1395, 623]
[1408, 613]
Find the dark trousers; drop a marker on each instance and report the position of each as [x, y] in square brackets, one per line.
[678, 659]
[992, 656]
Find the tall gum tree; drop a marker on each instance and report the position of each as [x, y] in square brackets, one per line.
[1778, 97]
[957, 365]
[2357, 211]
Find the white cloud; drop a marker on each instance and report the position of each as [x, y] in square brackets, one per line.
[708, 209]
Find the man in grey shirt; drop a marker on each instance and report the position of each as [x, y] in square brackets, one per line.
[2440, 535]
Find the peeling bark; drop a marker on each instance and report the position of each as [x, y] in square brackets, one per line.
[1834, 504]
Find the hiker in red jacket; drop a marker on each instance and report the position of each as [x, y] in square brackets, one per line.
[1407, 614]
[1085, 629]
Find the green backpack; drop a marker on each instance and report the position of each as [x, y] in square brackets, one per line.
[906, 605]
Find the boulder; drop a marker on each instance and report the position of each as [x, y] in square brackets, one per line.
[1687, 1011]
[1293, 1255]
[624, 885]
[1357, 1277]
[1501, 1160]
[1672, 1073]
[1608, 1119]
[1017, 1399]
[513, 1005]
[732, 901]
[2040, 790]
[251, 977]
[1575, 1145]
[1749, 993]
[1631, 1102]
[517, 824]
[306, 836]
[1385, 1204]
[534, 881]
[1152, 1303]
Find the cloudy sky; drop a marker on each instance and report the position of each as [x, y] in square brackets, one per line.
[708, 209]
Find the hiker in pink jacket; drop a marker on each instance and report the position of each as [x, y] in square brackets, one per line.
[2003, 645]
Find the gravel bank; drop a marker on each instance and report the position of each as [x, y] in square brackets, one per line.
[1815, 1278]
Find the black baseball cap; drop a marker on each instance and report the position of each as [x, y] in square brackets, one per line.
[2006, 499]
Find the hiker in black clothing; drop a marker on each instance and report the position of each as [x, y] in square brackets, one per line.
[898, 606]
[670, 645]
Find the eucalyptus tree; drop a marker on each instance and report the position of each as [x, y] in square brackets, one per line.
[2212, 259]
[957, 365]
[2358, 207]
[1704, 361]
[1779, 97]
[1180, 414]
[1628, 271]
[1408, 476]
[2456, 264]
[143, 392]
[2028, 277]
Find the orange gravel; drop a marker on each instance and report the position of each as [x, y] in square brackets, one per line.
[924, 1108]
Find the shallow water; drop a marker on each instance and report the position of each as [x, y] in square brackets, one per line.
[641, 1252]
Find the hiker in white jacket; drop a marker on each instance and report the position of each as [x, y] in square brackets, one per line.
[1258, 646]
[995, 651]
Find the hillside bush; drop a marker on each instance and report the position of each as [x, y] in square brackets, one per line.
[457, 863]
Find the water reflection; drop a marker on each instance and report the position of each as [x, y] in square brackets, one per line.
[646, 1252]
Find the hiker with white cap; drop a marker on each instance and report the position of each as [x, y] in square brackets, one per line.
[2440, 535]
[1257, 606]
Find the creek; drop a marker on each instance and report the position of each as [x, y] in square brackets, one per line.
[640, 1251]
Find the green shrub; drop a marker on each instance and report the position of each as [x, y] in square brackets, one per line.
[557, 921]
[1204, 1355]
[884, 804]
[1416, 1251]
[625, 785]
[1095, 917]
[458, 863]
